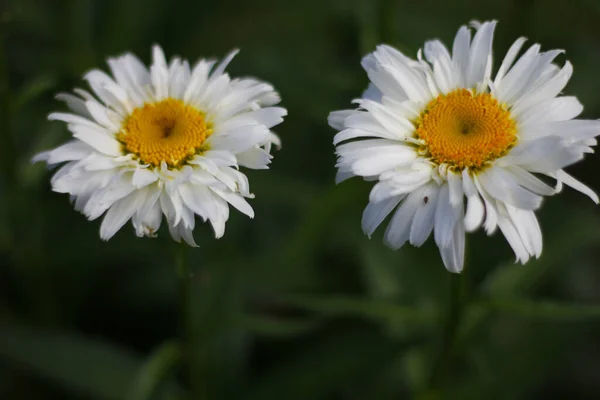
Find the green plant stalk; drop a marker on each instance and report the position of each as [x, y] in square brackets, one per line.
[447, 351]
[7, 145]
[189, 333]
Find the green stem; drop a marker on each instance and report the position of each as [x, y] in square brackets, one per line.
[189, 332]
[7, 146]
[458, 300]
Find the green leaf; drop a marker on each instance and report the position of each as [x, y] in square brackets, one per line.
[156, 368]
[546, 310]
[269, 326]
[379, 311]
[33, 89]
[90, 367]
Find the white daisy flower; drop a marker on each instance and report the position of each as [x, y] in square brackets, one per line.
[168, 140]
[435, 130]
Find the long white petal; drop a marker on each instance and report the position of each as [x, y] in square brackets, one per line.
[398, 230]
[575, 184]
[475, 208]
[453, 255]
[422, 224]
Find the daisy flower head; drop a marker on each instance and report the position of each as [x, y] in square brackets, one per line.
[454, 148]
[168, 140]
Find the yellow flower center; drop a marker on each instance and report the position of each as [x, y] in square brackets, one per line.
[466, 130]
[168, 131]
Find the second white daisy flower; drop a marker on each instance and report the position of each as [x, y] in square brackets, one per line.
[440, 129]
[168, 140]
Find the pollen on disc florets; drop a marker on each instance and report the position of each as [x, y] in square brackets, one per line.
[465, 130]
[166, 131]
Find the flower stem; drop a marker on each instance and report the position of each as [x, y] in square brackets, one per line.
[7, 146]
[189, 333]
[457, 302]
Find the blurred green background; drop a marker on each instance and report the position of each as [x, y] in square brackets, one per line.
[298, 303]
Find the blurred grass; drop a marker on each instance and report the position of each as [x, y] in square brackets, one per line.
[298, 303]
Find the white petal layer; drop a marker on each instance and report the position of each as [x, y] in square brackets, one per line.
[103, 179]
[377, 141]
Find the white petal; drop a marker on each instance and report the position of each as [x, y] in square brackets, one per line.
[336, 119]
[181, 231]
[480, 54]
[221, 158]
[398, 230]
[224, 63]
[475, 209]
[455, 186]
[363, 124]
[108, 91]
[528, 228]
[460, 54]
[545, 154]
[119, 214]
[501, 186]
[73, 150]
[199, 199]
[575, 184]
[375, 213]
[236, 201]
[187, 235]
[75, 104]
[382, 79]
[148, 222]
[517, 76]
[437, 54]
[422, 224]
[218, 223]
[172, 207]
[198, 79]
[446, 217]
[341, 176]
[372, 93]
[255, 158]
[514, 239]
[529, 181]
[511, 54]
[106, 197]
[76, 120]
[403, 182]
[413, 85]
[549, 89]
[143, 177]
[132, 75]
[374, 160]
[491, 213]
[532, 79]
[575, 131]
[556, 109]
[99, 139]
[453, 255]
[238, 140]
[159, 74]
[269, 116]
[104, 116]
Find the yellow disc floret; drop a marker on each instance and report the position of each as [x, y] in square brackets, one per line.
[466, 130]
[168, 131]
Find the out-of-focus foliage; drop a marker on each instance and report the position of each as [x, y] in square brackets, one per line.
[296, 304]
